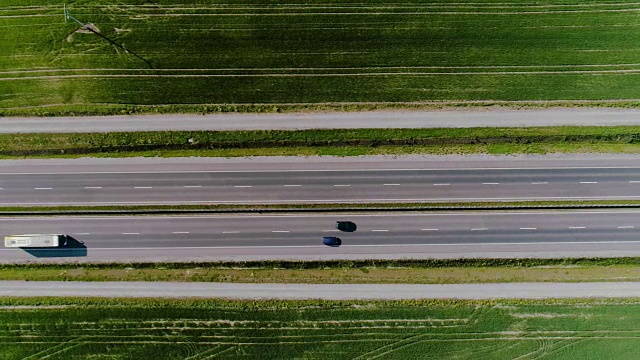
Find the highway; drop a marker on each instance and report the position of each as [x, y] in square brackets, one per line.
[325, 120]
[296, 236]
[182, 181]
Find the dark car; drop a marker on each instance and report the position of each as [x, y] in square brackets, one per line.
[346, 226]
[331, 241]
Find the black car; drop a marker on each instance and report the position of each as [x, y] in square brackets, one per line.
[346, 226]
[331, 241]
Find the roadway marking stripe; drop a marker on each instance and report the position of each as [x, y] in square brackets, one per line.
[625, 227]
[577, 227]
[491, 183]
[380, 230]
[323, 170]
[634, 182]
[429, 229]
[231, 232]
[540, 183]
[242, 186]
[291, 185]
[192, 186]
[180, 232]
[130, 233]
[93, 187]
[280, 231]
[366, 245]
[143, 187]
[588, 182]
[43, 188]
[341, 185]
[528, 228]
[81, 233]
[441, 184]
[479, 229]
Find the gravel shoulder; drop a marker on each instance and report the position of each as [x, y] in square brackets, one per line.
[324, 292]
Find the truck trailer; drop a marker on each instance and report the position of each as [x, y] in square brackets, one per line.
[33, 240]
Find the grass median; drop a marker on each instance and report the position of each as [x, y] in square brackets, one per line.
[312, 207]
[197, 329]
[343, 142]
[339, 272]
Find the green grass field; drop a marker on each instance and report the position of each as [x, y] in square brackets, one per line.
[213, 56]
[116, 329]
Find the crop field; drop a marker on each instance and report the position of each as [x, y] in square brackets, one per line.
[210, 56]
[135, 329]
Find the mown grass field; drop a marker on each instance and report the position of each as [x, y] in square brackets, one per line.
[207, 56]
[154, 329]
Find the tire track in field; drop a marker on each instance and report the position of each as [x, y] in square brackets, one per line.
[376, 74]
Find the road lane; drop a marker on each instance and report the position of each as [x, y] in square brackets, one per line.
[319, 185]
[327, 120]
[149, 238]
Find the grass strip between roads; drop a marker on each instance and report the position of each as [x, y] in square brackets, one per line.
[282, 208]
[340, 142]
[439, 329]
[431, 271]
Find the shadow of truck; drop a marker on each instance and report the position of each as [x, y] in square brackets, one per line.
[69, 248]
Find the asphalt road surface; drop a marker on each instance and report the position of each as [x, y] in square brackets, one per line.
[331, 120]
[233, 237]
[139, 289]
[185, 181]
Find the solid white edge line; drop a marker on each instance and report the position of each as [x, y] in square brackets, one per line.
[164, 217]
[339, 201]
[322, 170]
[364, 245]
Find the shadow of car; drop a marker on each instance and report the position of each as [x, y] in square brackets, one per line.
[346, 226]
[331, 241]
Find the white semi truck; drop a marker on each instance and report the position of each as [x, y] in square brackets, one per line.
[34, 240]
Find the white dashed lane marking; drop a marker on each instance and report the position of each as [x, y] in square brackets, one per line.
[441, 184]
[180, 232]
[528, 228]
[192, 186]
[143, 187]
[130, 233]
[577, 227]
[93, 187]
